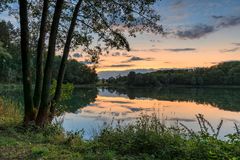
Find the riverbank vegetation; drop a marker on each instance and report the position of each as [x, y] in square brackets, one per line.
[227, 73]
[147, 138]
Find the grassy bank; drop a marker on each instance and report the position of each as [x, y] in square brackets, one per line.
[146, 139]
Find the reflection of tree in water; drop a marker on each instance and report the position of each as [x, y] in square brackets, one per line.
[227, 99]
[81, 97]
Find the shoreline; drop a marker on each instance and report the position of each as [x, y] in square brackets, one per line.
[168, 86]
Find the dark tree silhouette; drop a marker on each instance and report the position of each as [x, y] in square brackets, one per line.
[27, 83]
[44, 106]
[65, 56]
[40, 49]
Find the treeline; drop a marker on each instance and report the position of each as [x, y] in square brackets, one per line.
[227, 73]
[10, 61]
[76, 73]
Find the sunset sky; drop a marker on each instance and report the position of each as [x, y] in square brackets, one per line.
[201, 33]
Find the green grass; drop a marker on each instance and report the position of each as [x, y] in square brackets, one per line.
[146, 139]
[10, 112]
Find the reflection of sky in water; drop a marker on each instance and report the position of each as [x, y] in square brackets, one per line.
[108, 93]
[111, 107]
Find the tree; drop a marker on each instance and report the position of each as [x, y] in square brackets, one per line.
[44, 105]
[6, 33]
[40, 51]
[10, 65]
[131, 78]
[27, 83]
[65, 56]
[4, 56]
[95, 26]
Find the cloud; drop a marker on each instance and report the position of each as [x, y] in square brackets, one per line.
[147, 50]
[195, 32]
[201, 30]
[155, 41]
[77, 55]
[154, 50]
[178, 5]
[114, 54]
[217, 17]
[236, 44]
[126, 54]
[181, 49]
[229, 21]
[120, 65]
[134, 58]
[230, 50]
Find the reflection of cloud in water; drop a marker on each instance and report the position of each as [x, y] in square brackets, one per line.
[108, 93]
[181, 119]
[101, 118]
[118, 102]
[78, 111]
[88, 111]
[92, 104]
[132, 109]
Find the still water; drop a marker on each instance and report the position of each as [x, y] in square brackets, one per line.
[93, 108]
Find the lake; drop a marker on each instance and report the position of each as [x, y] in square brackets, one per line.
[93, 108]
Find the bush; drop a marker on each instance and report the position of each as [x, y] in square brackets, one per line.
[148, 138]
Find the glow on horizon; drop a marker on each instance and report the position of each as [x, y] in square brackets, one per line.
[156, 51]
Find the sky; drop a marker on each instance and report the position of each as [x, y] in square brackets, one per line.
[201, 34]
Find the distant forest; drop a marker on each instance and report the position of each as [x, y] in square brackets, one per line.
[226, 73]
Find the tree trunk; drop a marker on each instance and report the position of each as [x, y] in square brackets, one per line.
[40, 48]
[44, 105]
[26, 65]
[66, 50]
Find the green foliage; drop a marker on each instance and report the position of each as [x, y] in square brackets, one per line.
[148, 138]
[76, 72]
[227, 73]
[67, 90]
[10, 67]
[40, 151]
[81, 97]
[3, 53]
[7, 33]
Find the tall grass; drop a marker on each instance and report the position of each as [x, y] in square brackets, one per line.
[10, 112]
[148, 138]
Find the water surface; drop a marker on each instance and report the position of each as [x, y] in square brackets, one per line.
[93, 108]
